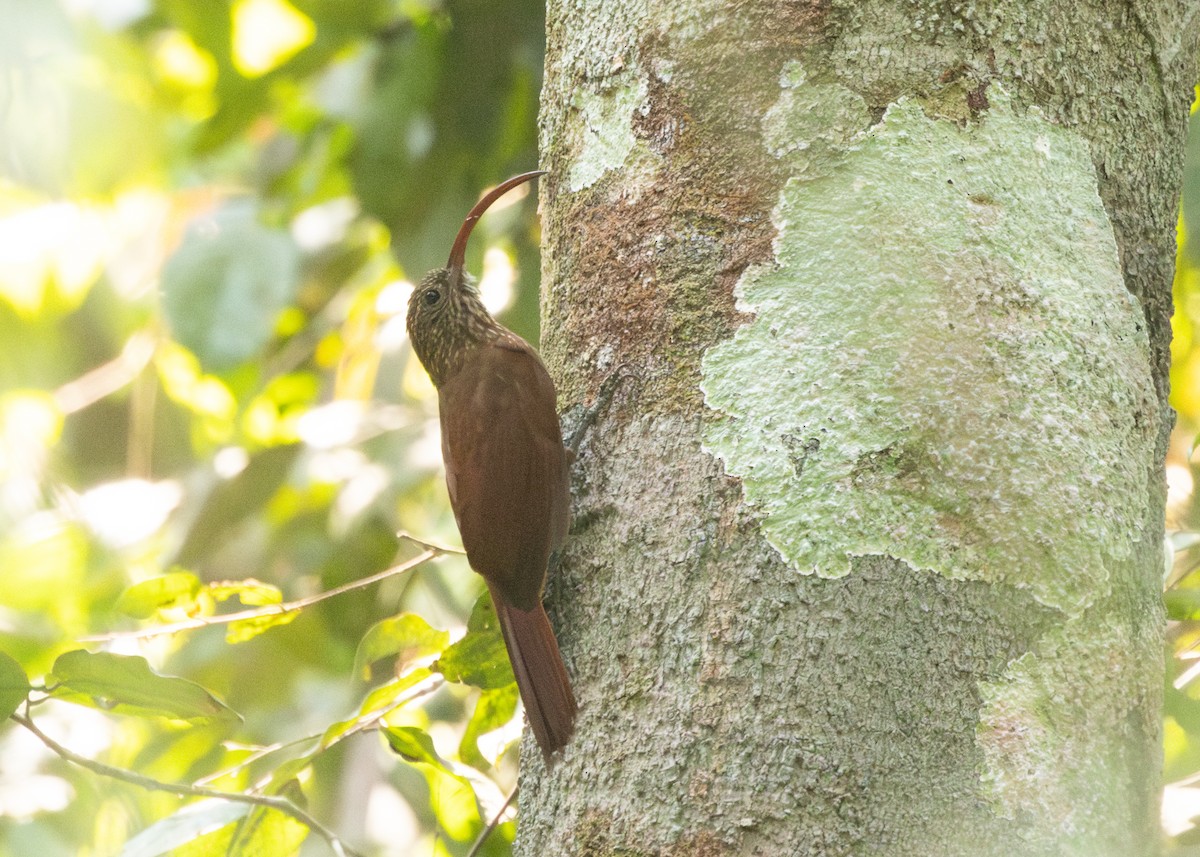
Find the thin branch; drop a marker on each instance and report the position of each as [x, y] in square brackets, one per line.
[429, 546]
[254, 756]
[268, 610]
[109, 377]
[492, 825]
[367, 721]
[280, 804]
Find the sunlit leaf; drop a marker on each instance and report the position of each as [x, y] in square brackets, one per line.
[226, 284]
[177, 589]
[377, 701]
[1182, 604]
[267, 32]
[360, 356]
[251, 592]
[407, 636]
[414, 745]
[183, 827]
[247, 629]
[268, 833]
[125, 684]
[14, 685]
[452, 795]
[493, 709]
[287, 772]
[479, 658]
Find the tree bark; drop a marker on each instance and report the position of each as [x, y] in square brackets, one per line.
[867, 543]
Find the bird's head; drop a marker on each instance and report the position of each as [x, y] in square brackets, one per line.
[445, 314]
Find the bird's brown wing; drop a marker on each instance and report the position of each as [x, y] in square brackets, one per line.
[506, 467]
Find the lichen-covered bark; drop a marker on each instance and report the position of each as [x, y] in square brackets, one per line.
[866, 549]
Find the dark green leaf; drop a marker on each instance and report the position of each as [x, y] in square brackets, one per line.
[479, 658]
[227, 283]
[233, 500]
[177, 589]
[125, 684]
[14, 685]
[414, 745]
[407, 636]
[493, 709]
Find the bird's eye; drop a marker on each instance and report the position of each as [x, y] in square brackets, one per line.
[431, 297]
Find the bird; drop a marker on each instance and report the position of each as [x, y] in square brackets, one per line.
[507, 470]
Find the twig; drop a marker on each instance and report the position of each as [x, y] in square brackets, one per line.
[255, 755]
[492, 825]
[429, 546]
[280, 804]
[429, 553]
[367, 721]
[109, 377]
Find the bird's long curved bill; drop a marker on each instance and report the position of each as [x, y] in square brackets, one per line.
[458, 252]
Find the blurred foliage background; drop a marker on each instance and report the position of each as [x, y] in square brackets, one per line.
[1181, 718]
[210, 217]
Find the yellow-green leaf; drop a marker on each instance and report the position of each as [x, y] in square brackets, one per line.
[251, 592]
[246, 629]
[479, 658]
[407, 637]
[178, 589]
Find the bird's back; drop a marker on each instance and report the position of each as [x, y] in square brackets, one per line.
[506, 467]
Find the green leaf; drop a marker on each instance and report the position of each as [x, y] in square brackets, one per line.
[414, 745]
[479, 658]
[1182, 604]
[493, 709]
[247, 629]
[407, 636]
[269, 833]
[125, 684]
[183, 827]
[226, 284]
[233, 500]
[379, 699]
[177, 589]
[452, 797]
[288, 771]
[251, 592]
[14, 685]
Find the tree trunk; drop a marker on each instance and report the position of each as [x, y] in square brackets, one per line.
[867, 543]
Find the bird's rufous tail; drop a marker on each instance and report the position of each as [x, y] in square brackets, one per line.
[541, 676]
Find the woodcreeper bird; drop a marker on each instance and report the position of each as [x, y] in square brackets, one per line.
[506, 468]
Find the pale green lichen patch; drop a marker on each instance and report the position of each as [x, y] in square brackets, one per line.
[944, 366]
[1030, 723]
[607, 135]
[811, 122]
